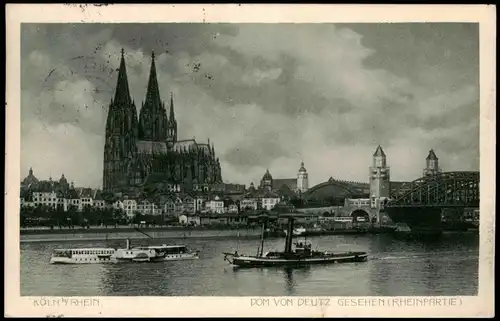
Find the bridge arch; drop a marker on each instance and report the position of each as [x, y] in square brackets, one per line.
[360, 215]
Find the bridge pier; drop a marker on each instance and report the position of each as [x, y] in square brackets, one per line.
[421, 219]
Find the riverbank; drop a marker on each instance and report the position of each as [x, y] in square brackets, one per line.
[122, 228]
[121, 234]
[173, 232]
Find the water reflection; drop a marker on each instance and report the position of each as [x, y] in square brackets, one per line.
[289, 281]
[295, 276]
[433, 275]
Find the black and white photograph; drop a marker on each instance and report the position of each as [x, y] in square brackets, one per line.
[249, 159]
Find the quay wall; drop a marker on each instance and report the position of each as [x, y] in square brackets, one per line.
[135, 235]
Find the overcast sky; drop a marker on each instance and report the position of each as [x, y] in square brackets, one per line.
[267, 95]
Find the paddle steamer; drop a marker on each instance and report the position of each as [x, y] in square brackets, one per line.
[151, 253]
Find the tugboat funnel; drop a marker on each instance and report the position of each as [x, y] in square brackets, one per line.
[289, 236]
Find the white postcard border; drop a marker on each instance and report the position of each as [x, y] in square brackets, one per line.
[481, 305]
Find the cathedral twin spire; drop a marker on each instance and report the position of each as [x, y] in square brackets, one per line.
[153, 123]
[122, 166]
[122, 115]
[122, 94]
[153, 92]
[153, 99]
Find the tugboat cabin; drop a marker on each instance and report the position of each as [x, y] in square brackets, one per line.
[302, 247]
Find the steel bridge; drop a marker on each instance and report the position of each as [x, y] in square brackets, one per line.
[448, 189]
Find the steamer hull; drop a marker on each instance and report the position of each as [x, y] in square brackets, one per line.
[249, 261]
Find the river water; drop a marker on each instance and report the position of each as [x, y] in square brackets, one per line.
[395, 268]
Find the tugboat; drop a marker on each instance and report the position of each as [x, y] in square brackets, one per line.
[301, 255]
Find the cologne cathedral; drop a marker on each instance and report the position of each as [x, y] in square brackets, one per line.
[139, 148]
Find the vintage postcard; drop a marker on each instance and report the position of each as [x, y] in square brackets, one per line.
[250, 160]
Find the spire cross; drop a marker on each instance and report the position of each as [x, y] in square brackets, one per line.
[153, 54]
[123, 52]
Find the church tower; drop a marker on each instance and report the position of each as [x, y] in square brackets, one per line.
[431, 164]
[267, 181]
[379, 178]
[153, 122]
[302, 179]
[121, 134]
[30, 180]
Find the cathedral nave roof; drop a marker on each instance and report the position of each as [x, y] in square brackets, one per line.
[188, 144]
[150, 147]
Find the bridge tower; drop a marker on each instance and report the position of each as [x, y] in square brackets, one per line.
[379, 178]
[302, 179]
[431, 164]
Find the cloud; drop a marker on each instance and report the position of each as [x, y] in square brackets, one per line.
[63, 149]
[267, 96]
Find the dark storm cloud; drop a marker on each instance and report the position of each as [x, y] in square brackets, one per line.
[267, 95]
[416, 46]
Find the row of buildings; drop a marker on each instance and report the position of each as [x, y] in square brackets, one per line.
[61, 194]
